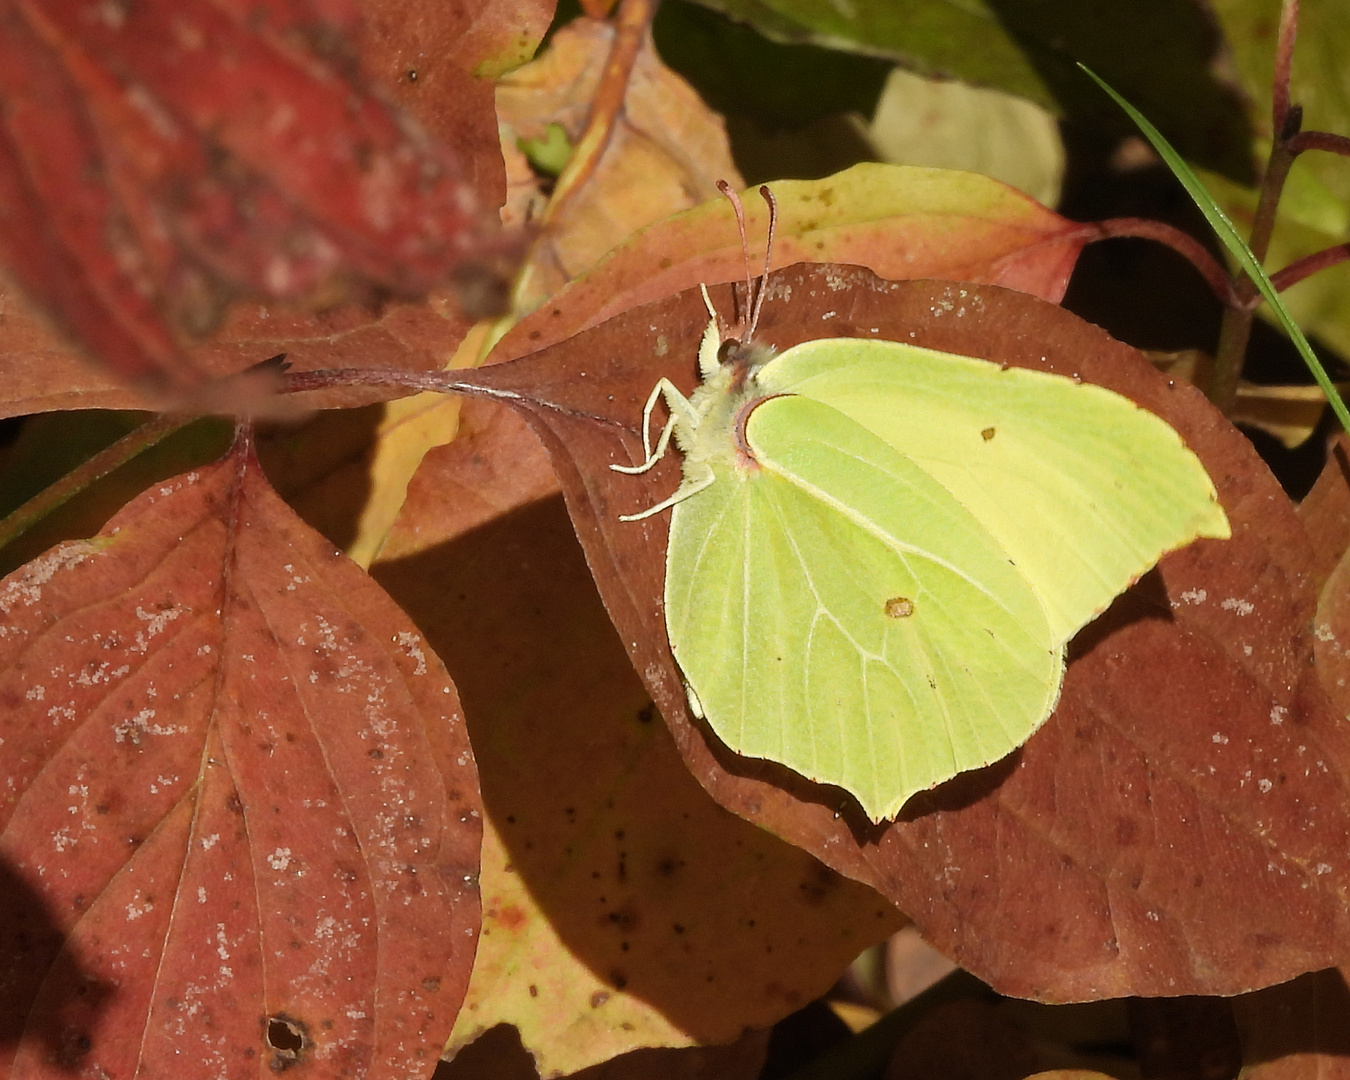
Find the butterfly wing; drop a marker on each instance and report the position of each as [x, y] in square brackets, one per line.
[1084, 489]
[837, 611]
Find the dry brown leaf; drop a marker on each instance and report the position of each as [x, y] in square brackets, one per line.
[664, 154]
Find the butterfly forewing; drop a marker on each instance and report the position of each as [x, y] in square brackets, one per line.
[839, 612]
[1081, 487]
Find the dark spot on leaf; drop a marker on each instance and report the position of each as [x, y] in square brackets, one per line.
[287, 1038]
[412, 75]
[510, 819]
[233, 803]
[431, 984]
[677, 928]
[618, 979]
[599, 998]
[820, 884]
[74, 1045]
[625, 918]
[376, 753]
[647, 713]
[534, 990]
[987, 434]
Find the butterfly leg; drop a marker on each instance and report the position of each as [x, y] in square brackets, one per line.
[681, 412]
[692, 485]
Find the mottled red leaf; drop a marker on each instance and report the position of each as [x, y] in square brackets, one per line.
[237, 780]
[1178, 826]
[157, 157]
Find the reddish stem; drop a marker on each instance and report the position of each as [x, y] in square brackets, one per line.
[1299, 269]
[1185, 245]
[1284, 57]
[1319, 140]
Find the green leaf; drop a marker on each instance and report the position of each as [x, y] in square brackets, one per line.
[1237, 247]
[880, 552]
[1164, 53]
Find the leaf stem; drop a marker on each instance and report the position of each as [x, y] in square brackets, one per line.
[1305, 267]
[1320, 140]
[1235, 328]
[1183, 243]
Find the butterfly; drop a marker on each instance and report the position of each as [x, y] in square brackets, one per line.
[879, 553]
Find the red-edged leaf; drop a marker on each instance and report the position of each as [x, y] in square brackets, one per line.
[1178, 826]
[899, 221]
[158, 156]
[238, 780]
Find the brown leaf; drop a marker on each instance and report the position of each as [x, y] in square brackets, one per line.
[238, 779]
[1178, 826]
[160, 156]
[665, 151]
[1325, 511]
[615, 891]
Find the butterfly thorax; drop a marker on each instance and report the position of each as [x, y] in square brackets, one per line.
[720, 404]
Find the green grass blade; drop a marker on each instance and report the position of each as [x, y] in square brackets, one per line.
[1234, 242]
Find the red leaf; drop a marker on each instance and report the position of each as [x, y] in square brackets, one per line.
[238, 779]
[1178, 826]
[158, 156]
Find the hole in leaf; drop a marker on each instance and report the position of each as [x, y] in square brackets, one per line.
[287, 1038]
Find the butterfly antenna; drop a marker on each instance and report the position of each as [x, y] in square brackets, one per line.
[735, 200]
[767, 195]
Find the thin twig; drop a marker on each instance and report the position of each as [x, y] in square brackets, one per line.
[630, 31]
[1299, 269]
[1235, 328]
[631, 23]
[1284, 58]
[1183, 243]
[1320, 140]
